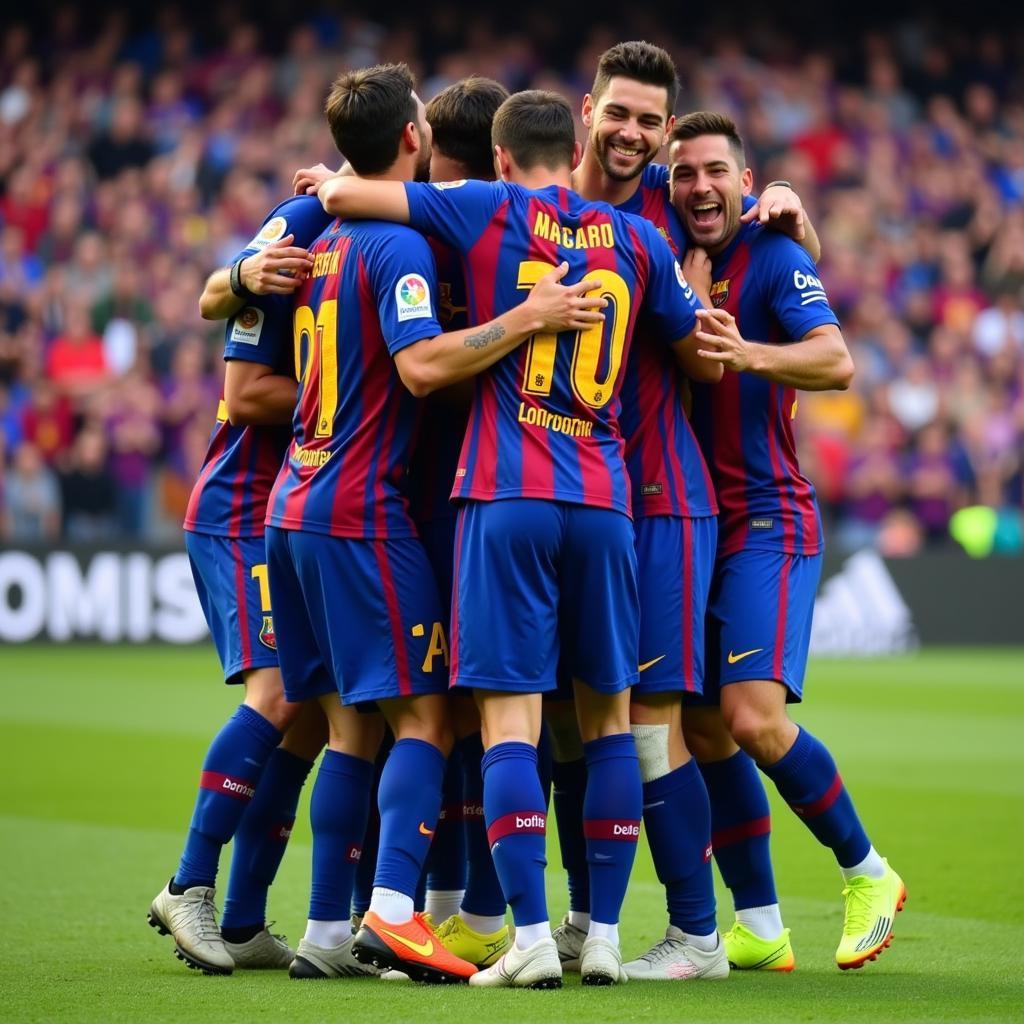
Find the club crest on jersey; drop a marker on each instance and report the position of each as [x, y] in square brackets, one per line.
[270, 232]
[412, 298]
[687, 290]
[247, 326]
[267, 635]
[720, 292]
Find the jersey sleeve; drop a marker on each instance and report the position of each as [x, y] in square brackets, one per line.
[260, 332]
[404, 281]
[791, 286]
[456, 212]
[669, 302]
[301, 216]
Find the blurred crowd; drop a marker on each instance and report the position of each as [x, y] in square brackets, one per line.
[136, 156]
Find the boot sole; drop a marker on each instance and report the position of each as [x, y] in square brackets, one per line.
[193, 963]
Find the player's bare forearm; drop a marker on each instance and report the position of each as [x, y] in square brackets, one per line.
[687, 355]
[255, 395]
[218, 301]
[354, 198]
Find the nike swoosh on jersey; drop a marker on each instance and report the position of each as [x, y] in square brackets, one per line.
[647, 664]
[423, 948]
[733, 658]
[424, 831]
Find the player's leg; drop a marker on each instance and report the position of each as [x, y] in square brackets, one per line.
[263, 833]
[362, 890]
[675, 557]
[569, 778]
[765, 670]
[230, 576]
[599, 624]
[505, 646]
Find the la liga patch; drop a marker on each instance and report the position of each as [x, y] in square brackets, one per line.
[274, 229]
[412, 298]
[248, 326]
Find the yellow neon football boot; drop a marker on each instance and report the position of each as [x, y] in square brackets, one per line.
[746, 951]
[462, 941]
[871, 907]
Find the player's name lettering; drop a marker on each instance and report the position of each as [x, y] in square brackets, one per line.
[593, 236]
[574, 426]
[315, 457]
[325, 263]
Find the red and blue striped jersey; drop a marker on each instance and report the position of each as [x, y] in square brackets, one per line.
[371, 293]
[745, 423]
[544, 419]
[230, 495]
[435, 455]
[666, 468]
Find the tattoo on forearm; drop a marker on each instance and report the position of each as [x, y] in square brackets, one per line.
[483, 338]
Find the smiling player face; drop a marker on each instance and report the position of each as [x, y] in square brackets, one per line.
[707, 187]
[627, 126]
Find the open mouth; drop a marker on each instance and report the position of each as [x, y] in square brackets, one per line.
[626, 152]
[705, 214]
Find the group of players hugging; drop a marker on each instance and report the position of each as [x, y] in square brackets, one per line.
[552, 389]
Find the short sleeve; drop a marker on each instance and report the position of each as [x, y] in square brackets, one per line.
[669, 302]
[456, 212]
[403, 276]
[791, 286]
[301, 216]
[260, 332]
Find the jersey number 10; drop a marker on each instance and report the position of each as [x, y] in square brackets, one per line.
[586, 357]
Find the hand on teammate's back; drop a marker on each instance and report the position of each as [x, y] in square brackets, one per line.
[565, 307]
[781, 204]
[278, 270]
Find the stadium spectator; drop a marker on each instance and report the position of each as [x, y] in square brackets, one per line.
[31, 499]
[89, 490]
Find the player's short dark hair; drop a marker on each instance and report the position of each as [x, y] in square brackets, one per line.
[707, 122]
[461, 117]
[537, 128]
[367, 110]
[643, 62]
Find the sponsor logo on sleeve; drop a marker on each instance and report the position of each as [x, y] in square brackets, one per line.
[442, 185]
[274, 229]
[412, 298]
[687, 290]
[248, 326]
[810, 288]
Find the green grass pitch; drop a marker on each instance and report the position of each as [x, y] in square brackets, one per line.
[101, 749]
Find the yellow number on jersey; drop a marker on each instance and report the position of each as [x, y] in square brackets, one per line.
[321, 334]
[259, 573]
[540, 357]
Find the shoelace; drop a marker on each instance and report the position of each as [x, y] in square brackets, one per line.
[206, 918]
[446, 928]
[280, 938]
[664, 950]
[858, 906]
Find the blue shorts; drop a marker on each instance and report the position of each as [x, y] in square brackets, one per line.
[362, 617]
[675, 559]
[535, 580]
[438, 539]
[759, 620]
[231, 580]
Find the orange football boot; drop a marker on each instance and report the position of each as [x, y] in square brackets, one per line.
[410, 947]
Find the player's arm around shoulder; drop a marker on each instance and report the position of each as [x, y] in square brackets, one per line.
[445, 359]
[353, 198]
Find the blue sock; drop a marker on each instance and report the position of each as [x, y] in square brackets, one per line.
[807, 779]
[446, 861]
[262, 838]
[338, 811]
[516, 821]
[545, 763]
[484, 895]
[678, 821]
[233, 766]
[410, 802]
[362, 889]
[741, 828]
[569, 779]
[611, 821]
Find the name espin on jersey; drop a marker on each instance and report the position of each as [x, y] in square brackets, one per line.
[810, 288]
[593, 236]
[325, 263]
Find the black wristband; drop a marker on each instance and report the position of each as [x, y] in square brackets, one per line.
[785, 184]
[235, 280]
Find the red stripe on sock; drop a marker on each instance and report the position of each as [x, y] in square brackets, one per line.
[612, 828]
[745, 830]
[526, 822]
[821, 805]
[227, 785]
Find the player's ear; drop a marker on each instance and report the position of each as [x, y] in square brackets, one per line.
[502, 163]
[668, 128]
[577, 154]
[411, 137]
[588, 111]
[747, 181]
